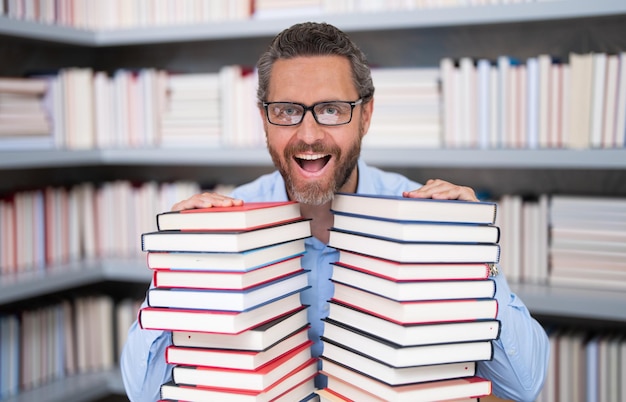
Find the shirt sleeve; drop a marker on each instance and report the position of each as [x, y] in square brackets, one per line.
[143, 364]
[521, 353]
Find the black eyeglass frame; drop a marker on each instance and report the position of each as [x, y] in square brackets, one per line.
[311, 109]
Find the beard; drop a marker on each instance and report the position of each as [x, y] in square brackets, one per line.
[323, 190]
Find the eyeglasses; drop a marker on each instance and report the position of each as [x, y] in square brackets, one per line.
[334, 113]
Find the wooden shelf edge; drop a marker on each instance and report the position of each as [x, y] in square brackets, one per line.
[596, 304]
[78, 388]
[391, 157]
[27, 285]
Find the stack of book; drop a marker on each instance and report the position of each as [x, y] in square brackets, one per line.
[414, 308]
[24, 120]
[227, 283]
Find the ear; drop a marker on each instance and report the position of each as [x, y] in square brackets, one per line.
[367, 110]
[263, 118]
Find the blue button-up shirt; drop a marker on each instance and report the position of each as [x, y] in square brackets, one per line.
[520, 358]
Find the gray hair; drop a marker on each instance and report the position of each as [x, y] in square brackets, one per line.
[315, 39]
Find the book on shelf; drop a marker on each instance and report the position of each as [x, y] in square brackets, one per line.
[394, 376]
[415, 312]
[422, 252]
[352, 384]
[416, 334]
[225, 241]
[295, 386]
[235, 359]
[398, 271]
[258, 338]
[227, 300]
[417, 230]
[251, 380]
[226, 280]
[244, 261]
[415, 209]
[246, 216]
[230, 322]
[414, 290]
[395, 355]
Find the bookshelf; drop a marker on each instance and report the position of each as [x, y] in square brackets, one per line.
[419, 37]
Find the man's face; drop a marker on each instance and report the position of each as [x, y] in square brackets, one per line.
[315, 160]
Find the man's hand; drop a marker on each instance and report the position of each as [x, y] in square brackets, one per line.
[206, 200]
[442, 190]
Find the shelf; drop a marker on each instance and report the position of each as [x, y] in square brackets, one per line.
[422, 18]
[60, 278]
[77, 388]
[597, 304]
[392, 157]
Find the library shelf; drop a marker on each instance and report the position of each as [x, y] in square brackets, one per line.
[254, 28]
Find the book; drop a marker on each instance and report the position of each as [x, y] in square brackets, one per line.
[225, 241]
[301, 377]
[394, 376]
[416, 334]
[230, 322]
[235, 359]
[345, 381]
[252, 380]
[246, 216]
[227, 300]
[414, 252]
[414, 290]
[397, 356]
[226, 280]
[415, 209]
[257, 338]
[414, 312]
[244, 261]
[394, 270]
[417, 230]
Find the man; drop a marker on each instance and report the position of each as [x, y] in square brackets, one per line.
[316, 99]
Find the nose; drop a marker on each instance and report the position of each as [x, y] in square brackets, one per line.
[308, 130]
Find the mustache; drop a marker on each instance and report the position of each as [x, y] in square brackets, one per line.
[316, 147]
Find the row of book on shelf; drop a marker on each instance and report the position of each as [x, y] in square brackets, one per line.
[53, 226]
[465, 103]
[116, 14]
[540, 102]
[548, 239]
[585, 365]
[76, 335]
[227, 283]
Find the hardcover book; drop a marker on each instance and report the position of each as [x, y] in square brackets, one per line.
[226, 280]
[227, 300]
[398, 356]
[234, 359]
[257, 338]
[246, 216]
[244, 261]
[228, 322]
[414, 290]
[225, 241]
[414, 252]
[417, 231]
[345, 381]
[414, 334]
[251, 380]
[295, 386]
[416, 312]
[394, 270]
[415, 209]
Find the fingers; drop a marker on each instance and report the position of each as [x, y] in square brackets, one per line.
[442, 190]
[206, 200]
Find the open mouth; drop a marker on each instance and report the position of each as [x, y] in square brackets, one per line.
[312, 163]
